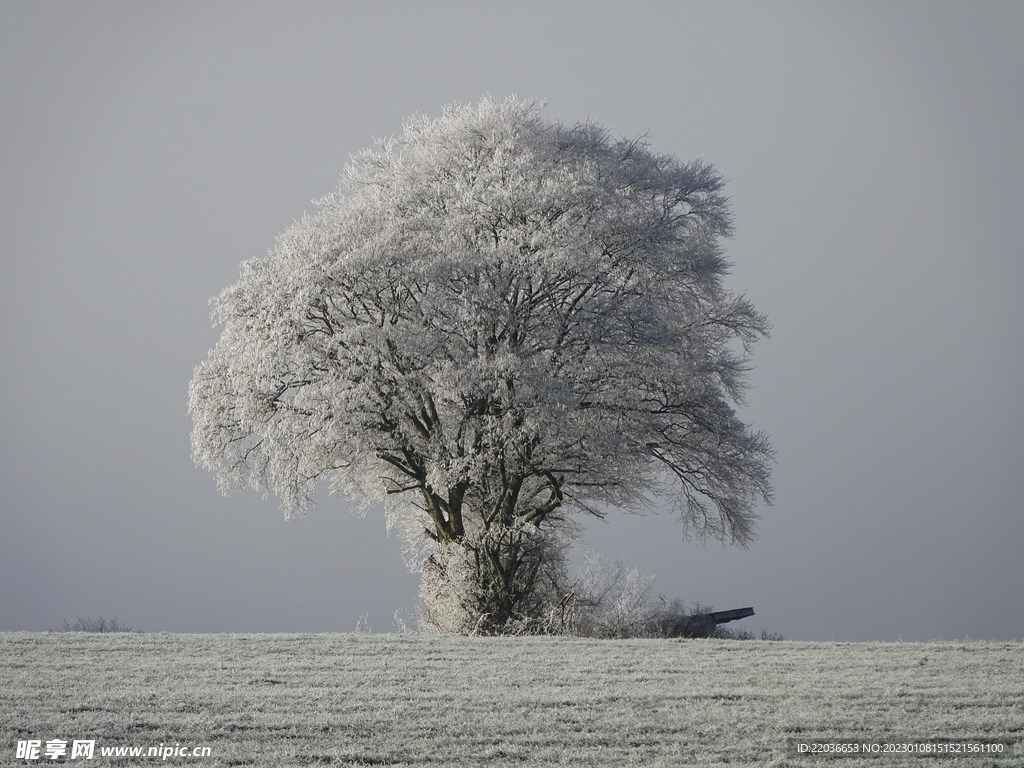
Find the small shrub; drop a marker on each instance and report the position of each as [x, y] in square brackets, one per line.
[611, 600]
[98, 624]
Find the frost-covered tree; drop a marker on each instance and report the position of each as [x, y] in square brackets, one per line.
[497, 322]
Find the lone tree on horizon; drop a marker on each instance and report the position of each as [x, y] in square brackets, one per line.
[496, 323]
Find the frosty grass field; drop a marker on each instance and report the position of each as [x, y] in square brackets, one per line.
[411, 700]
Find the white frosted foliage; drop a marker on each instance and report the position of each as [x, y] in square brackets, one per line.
[496, 322]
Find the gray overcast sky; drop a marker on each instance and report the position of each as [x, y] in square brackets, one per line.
[875, 157]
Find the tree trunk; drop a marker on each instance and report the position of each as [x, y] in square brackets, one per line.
[507, 581]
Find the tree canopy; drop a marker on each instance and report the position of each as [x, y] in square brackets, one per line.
[496, 321]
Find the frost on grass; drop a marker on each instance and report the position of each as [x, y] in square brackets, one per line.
[416, 700]
[495, 325]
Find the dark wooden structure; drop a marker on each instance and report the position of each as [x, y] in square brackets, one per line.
[723, 617]
[700, 624]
